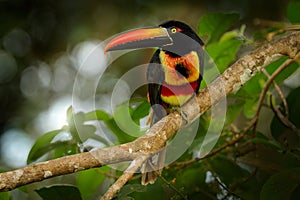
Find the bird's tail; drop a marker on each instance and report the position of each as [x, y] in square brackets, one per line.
[153, 167]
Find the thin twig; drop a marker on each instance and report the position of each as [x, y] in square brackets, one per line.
[172, 187]
[210, 154]
[229, 192]
[124, 178]
[284, 120]
[107, 174]
[282, 27]
[232, 142]
[279, 92]
[268, 84]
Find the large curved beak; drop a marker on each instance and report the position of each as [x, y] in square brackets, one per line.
[140, 38]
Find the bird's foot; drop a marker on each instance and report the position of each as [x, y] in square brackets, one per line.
[182, 113]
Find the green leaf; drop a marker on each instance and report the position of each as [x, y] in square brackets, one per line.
[85, 131]
[141, 110]
[227, 170]
[5, 195]
[293, 12]
[281, 185]
[236, 33]
[88, 181]
[213, 25]
[65, 149]
[250, 107]
[253, 86]
[118, 132]
[274, 65]
[81, 131]
[233, 110]
[76, 124]
[59, 192]
[262, 139]
[190, 178]
[122, 117]
[69, 114]
[224, 52]
[43, 145]
[284, 74]
[97, 115]
[230, 35]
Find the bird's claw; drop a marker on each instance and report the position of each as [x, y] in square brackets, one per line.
[183, 114]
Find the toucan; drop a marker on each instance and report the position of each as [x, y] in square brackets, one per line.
[174, 73]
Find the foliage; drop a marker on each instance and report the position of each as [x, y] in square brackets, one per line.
[264, 164]
[77, 122]
[88, 181]
[62, 192]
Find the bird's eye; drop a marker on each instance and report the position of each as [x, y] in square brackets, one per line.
[174, 30]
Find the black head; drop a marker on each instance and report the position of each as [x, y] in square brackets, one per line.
[184, 37]
[176, 27]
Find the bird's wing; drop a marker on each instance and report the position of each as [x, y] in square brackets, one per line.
[155, 77]
[200, 52]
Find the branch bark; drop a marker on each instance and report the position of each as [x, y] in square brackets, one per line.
[157, 136]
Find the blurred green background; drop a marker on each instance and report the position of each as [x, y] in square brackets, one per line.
[42, 44]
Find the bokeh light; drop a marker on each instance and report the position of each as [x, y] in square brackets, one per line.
[89, 57]
[8, 67]
[14, 147]
[54, 117]
[17, 42]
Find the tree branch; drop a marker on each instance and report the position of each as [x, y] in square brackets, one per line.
[157, 136]
[126, 176]
[268, 84]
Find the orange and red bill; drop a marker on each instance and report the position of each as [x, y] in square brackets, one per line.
[140, 38]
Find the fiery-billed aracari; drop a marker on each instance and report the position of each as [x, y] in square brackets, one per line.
[174, 73]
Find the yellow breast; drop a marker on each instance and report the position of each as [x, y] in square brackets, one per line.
[181, 77]
[189, 61]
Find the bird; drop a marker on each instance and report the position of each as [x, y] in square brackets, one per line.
[174, 73]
